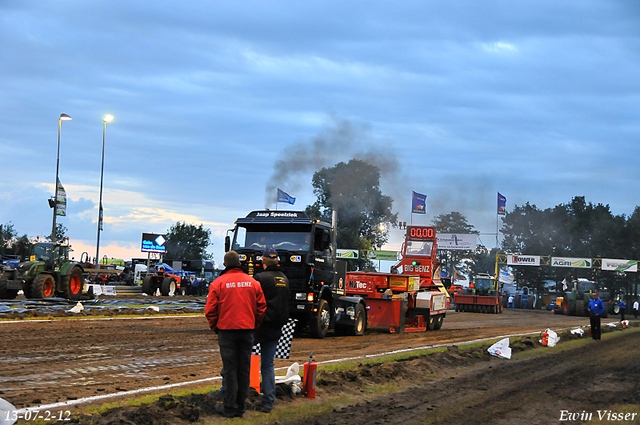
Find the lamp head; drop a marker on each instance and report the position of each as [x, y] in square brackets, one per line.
[65, 117]
[107, 118]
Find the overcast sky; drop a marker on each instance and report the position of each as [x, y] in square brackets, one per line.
[216, 104]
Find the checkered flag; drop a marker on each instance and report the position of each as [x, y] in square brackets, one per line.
[283, 350]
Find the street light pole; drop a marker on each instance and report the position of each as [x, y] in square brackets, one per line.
[107, 118]
[63, 117]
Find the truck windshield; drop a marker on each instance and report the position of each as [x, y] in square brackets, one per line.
[419, 248]
[257, 239]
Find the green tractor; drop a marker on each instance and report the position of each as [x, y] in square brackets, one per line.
[575, 300]
[48, 273]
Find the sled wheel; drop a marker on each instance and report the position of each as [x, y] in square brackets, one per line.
[439, 322]
[431, 325]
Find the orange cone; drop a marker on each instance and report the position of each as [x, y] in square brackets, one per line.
[254, 373]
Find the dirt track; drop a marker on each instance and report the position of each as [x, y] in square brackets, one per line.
[55, 361]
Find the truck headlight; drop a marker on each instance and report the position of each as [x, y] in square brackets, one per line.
[301, 296]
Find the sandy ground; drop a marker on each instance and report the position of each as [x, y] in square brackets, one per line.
[55, 361]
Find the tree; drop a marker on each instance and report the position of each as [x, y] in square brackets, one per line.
[188, 242]
[61, 232]
[364, 213]
[7, 234]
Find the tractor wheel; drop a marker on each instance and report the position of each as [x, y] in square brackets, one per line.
[320, 324]
[6, 294]
[72, 284]
[168, 287]
[580, 310]
[572, 307]
[361, 321]
[147, 286]
[43, 286]
[431, 324]
[439, 322]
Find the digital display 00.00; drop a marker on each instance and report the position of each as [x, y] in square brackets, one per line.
[420, 233]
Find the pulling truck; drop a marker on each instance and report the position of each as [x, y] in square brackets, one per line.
[323, 295]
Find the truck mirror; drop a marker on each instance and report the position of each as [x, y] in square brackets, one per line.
[227, 243]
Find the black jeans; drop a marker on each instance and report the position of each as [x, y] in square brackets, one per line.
[595, 326]
[235, 350]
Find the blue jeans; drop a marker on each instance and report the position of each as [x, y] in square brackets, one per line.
[267, 354]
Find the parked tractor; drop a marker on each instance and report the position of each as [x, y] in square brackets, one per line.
[168, 284]
[575, 299]
[48, 273]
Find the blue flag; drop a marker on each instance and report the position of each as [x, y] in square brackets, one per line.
[502, 204]
[419, 204]
[284, 197]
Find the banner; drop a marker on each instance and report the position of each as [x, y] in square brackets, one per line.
[419, 203]
[506, 276]
[581, 263]
[502, 204]
[349, 254]
[382, 255]
[61, 207]
[619, 265]
[457, 241]
[100, 219]
[285, 197]
[523, 260]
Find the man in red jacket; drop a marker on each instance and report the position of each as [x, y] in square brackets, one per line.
[235, 307]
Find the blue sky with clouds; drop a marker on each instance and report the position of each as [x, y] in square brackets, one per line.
[216, 104]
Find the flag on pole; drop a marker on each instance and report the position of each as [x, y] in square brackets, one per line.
[502, 204]
[419, 204]
[61, 207]
[285, 197]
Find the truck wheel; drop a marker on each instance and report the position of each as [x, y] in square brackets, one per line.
[147, 285]
[431, 325]
[168, 287]
[580, 310]
[6, 294]
[439, 322]
[361, 321]
[43, 286]
[320, 323]
[72, 284]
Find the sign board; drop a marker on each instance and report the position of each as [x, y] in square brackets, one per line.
[382, 255]
[581, 263]
[619, 265]
[457, 242]
[348, 254]
[523, 260]
[152, 242]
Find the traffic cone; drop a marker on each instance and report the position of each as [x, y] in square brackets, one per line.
[254, 372]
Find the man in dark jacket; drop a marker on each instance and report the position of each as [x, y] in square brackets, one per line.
[275, 286]
[235, 308]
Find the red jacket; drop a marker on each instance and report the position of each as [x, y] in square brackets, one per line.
[235, 301]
